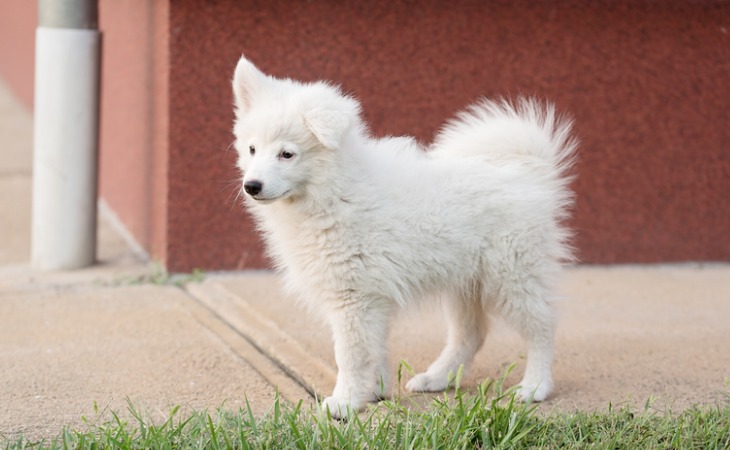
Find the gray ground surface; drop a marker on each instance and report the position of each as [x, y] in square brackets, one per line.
[107, 335]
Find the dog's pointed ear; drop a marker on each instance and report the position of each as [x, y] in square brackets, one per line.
[328, 126]
[247, 82]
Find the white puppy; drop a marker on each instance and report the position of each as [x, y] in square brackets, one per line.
[360, 226]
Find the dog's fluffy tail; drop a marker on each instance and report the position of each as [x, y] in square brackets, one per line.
[507, 131]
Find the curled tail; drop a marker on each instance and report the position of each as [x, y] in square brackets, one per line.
[528, 134]
[504, 130]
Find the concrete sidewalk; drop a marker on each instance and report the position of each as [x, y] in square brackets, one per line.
[110, 334]
[114, 333]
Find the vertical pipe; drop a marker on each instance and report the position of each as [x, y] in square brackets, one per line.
[65, 135]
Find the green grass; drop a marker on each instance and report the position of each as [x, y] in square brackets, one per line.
[159, 276]
[488, 418]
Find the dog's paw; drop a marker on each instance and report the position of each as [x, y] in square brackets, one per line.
[338, 408]
[425, 382]
[533, 392]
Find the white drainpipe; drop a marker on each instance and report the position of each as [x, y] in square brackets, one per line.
[66, 130]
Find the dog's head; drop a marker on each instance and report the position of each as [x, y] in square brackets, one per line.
[286, 132]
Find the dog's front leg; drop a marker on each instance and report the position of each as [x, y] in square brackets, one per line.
[360, 331]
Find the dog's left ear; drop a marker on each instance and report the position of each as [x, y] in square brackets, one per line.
[328, 126]
[248, 80]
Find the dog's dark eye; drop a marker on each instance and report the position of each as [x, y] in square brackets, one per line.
[251, 150]
[286, 154]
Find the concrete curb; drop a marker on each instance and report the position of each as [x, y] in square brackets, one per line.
[277, 356]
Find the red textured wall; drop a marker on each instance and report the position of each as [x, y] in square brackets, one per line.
[647, 83]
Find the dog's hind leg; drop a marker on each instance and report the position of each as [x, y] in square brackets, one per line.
[533, 316]
[360, 331]
[467, 328]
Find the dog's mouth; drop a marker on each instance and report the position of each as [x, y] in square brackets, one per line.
[266, 200]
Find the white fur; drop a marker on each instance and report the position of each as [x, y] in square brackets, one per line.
[360, 226]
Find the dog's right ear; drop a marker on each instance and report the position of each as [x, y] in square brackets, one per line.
[247, 82]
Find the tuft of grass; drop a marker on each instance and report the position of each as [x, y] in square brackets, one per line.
[161, 277]
[697, 427]
[489, 418]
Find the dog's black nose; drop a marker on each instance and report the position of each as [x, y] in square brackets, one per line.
[253, 187]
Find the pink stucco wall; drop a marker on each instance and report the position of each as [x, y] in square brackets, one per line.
[18, 21]
[134, 140]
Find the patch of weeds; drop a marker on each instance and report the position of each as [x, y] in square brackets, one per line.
[697, 427]
[489, 418]
[161, 277]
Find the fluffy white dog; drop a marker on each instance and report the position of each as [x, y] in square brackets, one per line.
[360, 226]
